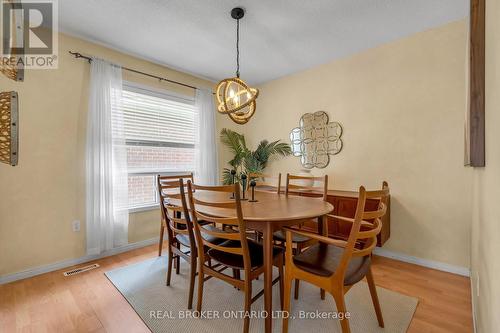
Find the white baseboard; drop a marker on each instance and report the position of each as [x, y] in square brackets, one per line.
[473, 291]
[71, 262]
[440, 266]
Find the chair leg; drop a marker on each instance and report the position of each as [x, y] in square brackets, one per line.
[160, 245]
[322, 293]
[286, 298]
[201, 280]
[178, 261]
[248, 304]
[373, 293]
[338, 295]
[191, 281]
[175, 257]
[170, 260]
[297, 281]
[281, 275]
[296, 289]
[236, 275]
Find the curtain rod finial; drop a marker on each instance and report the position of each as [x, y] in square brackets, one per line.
[78, 55]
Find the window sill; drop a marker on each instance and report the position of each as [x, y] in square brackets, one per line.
[143, 208]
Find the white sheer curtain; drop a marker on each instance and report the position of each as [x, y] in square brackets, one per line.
[106, 163]
[207, 169]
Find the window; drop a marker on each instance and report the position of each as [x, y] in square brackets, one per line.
[160, 139]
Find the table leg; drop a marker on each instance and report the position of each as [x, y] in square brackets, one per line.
[323, 228]
[323, 225]
[268, 276]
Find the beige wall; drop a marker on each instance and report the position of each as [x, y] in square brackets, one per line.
[402, 108]
[486, 222]
[45, 192]
[401, 104]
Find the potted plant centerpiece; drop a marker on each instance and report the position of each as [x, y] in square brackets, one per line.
[246, 161]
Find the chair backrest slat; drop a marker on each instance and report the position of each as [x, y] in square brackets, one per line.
[224, 221]
[172, 195]
[373, 214]
[230, 235]
[291, 186]
[319, 178]
[233, 250]
[373, 231]
[224, 188]
[225, 204]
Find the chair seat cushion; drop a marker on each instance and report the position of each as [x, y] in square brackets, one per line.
[235, 260]
[323, 259]
[296, 238]
[184, 239]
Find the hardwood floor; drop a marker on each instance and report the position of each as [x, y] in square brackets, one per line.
[444, 298]
[88, 302]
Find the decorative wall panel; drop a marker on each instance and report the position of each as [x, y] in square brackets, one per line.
[9, 125]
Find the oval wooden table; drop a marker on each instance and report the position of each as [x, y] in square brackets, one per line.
[271, 212]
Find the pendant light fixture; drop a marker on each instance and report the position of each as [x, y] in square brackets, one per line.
[235, 98]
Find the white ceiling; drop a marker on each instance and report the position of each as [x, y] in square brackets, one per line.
[278, 37]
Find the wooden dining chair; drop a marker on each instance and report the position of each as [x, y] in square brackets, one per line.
[180, 232]
[265, 181]
[166, 180]
[236, 252]
[336, 265]
[296, 185]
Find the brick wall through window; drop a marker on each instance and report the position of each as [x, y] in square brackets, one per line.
[142, 188]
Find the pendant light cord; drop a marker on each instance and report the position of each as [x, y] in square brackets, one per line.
[238, 48]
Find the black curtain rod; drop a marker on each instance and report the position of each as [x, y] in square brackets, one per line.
[78, 55]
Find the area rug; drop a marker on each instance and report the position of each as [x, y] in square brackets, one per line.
[164, 309]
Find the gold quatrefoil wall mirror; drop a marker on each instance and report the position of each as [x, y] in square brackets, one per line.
[9, 124]
[316, 139]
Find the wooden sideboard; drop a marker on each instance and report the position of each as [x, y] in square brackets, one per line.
[344, 203]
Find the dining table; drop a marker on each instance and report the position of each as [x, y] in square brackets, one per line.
[268, 213]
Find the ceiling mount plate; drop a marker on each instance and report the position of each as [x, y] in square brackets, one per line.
[237, 13]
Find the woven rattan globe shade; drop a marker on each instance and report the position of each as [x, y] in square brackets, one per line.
[236, 99]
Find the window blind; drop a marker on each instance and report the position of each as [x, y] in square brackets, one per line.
[155, 121]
